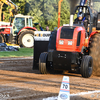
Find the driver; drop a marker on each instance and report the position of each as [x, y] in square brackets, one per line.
[82, 20]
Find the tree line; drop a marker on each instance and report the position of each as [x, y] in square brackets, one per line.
[44, 12]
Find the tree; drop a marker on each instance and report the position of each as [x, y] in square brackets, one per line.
[43, 11]
[46, 12]
[19, 3]
[65, 12]
[34, 7]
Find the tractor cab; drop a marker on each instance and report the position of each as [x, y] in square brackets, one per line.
[21, 21]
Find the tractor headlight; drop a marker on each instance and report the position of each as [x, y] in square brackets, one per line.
[61, 42]
[70, 42]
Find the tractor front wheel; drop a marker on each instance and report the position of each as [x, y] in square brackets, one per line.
[26, 39]
[43, 68]
[86, 66]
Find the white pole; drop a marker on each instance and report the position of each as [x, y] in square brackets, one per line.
[71, 20]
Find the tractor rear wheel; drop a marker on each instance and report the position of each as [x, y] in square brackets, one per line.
[86, 66]
[43, 68]
[95, 53]
[1, 39]
[26, 39]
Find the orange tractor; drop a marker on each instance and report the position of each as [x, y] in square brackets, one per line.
[75, 46]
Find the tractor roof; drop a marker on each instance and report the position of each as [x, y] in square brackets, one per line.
[25, 16]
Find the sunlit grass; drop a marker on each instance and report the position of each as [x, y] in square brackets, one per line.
[23, 52]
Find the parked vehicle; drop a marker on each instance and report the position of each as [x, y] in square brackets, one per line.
[19, 31]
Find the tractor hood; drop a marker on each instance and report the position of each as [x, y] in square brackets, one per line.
[73, 4]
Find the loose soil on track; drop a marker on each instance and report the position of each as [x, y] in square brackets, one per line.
[19, 82]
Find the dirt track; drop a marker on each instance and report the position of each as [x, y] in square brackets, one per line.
[19, 82]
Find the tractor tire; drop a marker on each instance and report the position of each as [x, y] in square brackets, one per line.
[26, 39]
[86, 66]
[95, 53]
[43, 68]
[1, 39]
[52, 41]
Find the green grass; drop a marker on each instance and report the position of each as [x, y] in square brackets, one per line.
[23, 52]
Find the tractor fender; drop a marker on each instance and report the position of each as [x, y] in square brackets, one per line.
[93, 33]
[26, 28]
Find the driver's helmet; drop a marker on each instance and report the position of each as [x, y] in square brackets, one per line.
[80, 16]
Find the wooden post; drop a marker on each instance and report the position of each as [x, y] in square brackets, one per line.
[59, 10]
[1, 5]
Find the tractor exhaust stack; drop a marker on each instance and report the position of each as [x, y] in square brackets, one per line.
[73, 4]
[71, 20]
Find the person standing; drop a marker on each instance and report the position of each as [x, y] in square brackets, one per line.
[47, 28]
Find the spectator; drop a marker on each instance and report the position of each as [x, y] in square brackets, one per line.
[47, 28]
